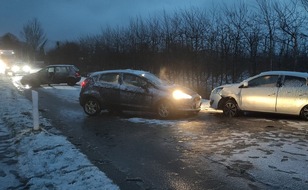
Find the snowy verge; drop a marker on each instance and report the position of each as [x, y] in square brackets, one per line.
[44, 159]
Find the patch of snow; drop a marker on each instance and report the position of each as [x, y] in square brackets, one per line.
[283, 157]
[39, 159]
[154, 121]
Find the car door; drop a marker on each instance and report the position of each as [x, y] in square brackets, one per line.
[292, 95]
[134, 92]
[109, 88]
[260, 94]
[61, 74]
[44, 75]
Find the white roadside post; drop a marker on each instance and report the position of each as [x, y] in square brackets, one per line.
[35, 110]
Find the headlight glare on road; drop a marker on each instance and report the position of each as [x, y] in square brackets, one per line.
[15, 68]
[2, 67]
[26, 68]
[178, 94]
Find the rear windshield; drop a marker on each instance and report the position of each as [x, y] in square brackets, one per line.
[75, 68]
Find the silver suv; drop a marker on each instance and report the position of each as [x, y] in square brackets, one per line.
[117, 90]
[282, 92]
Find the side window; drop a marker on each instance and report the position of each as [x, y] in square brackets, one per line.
[264, 81]
[292, 81]
[61, 70]
[133, 80]
[109, 78]
[51, 70]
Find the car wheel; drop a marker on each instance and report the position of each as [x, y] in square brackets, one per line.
[164, 110]
[92, 107]
[231, 109]
[71, 82]
[304, 113]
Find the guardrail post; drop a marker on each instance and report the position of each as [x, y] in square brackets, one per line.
[35, 113]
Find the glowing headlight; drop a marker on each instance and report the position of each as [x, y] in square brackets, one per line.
[2, 67]
[26, 68]
[177, 94]
[15, 68]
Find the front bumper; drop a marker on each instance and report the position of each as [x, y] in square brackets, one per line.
[192, 105]
[214, 100]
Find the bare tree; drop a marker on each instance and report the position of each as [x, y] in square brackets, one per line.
[269, 20]
[34, 34]
[291, 23]
[305, 4]
[236, 22]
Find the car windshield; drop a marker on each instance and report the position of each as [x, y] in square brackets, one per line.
[154, 79]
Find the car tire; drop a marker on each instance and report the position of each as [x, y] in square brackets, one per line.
[71, 82]
[304, 113]
[164, 110]
[92, 107]
[231, 109]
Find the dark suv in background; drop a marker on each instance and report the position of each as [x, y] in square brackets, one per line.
[117, 90]
[53, 74]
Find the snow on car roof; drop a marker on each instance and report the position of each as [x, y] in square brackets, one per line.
[59, 65]
[290, 73]
[131, 71]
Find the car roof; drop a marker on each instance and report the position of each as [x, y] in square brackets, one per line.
[289, 73]
[61, 65]
[128, 71]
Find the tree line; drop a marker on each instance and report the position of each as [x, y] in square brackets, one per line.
[200, 48]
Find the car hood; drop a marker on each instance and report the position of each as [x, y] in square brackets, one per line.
[31, 75]
[231, 85]
[230, 89]
[171, 88]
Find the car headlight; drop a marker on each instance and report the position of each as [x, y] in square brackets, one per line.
[15, 68]
[2, 66]
[177, 94]
[26, 68]
[217, 90]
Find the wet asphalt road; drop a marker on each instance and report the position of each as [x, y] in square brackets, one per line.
[175, 154]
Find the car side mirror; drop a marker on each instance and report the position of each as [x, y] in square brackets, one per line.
[244, 85]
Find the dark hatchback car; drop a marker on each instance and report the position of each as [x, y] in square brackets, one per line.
[53, 74]
[117, 90]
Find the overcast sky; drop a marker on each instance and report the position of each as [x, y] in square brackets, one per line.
[69, 19]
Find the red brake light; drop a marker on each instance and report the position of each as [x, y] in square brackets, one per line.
[83, 83]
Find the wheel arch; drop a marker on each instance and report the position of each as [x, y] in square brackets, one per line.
[157, 102]
[71, 81]
[87, 97]
[166, 101]
[304, 112]
[223, 100]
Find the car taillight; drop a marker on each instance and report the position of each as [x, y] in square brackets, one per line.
[84, 83]
[77, 74]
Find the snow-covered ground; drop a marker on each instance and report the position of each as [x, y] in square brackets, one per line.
[39, 159]
[47, 159]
